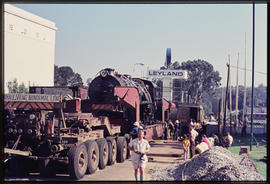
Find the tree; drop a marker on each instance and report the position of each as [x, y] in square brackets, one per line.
[14, 87]
[201, 78]
[206, 103]
[64, 76]
[22, 88]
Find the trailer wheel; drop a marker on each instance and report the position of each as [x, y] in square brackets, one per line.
[112, 150]
[93, 156]
[121, 149]
[128, 139]
[103, 152]
[46, 168]
[78, 161]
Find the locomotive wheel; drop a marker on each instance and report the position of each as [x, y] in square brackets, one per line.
[128, 139]
[103, 152]
[112, 150]
[78, 161]
[121, 149]
[46, 168]
[93, 156]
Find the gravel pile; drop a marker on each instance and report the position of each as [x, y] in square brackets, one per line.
[215, 164]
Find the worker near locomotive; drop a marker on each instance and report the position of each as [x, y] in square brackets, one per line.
[61, 125]
[139, 148]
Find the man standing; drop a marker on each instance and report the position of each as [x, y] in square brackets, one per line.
[244, 126]
[171, 128]
[177, 130]
[192, 136]
[134, 131]
[216, 140]
[139, 148]
[228, 140]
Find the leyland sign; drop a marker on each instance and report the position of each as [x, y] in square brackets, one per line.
[180, 74]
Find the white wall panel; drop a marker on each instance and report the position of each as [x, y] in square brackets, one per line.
[29, 47]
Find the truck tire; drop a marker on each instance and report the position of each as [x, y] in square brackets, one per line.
[93, 156]
[103, 152]
[46, 168]
[128, 139]
[112, 150]
[121, 149]
[78, 161]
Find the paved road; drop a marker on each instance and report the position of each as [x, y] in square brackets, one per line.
[162, 154]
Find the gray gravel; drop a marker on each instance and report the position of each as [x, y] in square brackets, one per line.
[215, 164]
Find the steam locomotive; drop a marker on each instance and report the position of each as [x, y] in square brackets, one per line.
[101, 92]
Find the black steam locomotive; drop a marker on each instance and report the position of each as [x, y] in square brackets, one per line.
[101, 91]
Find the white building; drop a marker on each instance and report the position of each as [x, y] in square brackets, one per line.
[29, 47]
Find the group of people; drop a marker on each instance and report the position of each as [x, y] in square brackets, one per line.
[178, 129]
[195, 142]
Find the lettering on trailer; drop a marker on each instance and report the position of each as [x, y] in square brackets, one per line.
[180, 74]
[31, 97]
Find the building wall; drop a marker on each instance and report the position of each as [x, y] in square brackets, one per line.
[29, 47]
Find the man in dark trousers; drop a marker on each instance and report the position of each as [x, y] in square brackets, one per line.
[192, 137]
[244, 126]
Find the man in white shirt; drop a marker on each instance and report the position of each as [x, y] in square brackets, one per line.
[139, 147]
[192, 136]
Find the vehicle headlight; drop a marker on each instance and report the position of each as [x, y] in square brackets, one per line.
[32, 116]
[29, 131]
[103, 73]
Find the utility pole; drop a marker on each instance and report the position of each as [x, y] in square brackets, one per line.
[252, 94]
[245, 85]
[236, 95]
[219, 115]
[222, 103]
[226, 96]
[230, 84]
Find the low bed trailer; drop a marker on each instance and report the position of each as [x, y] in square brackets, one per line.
[44, 129]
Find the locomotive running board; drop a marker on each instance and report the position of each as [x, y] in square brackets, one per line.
[17, 152]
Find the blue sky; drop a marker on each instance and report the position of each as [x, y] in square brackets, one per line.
[91, 37]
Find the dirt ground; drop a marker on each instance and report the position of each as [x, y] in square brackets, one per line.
[163, 153]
